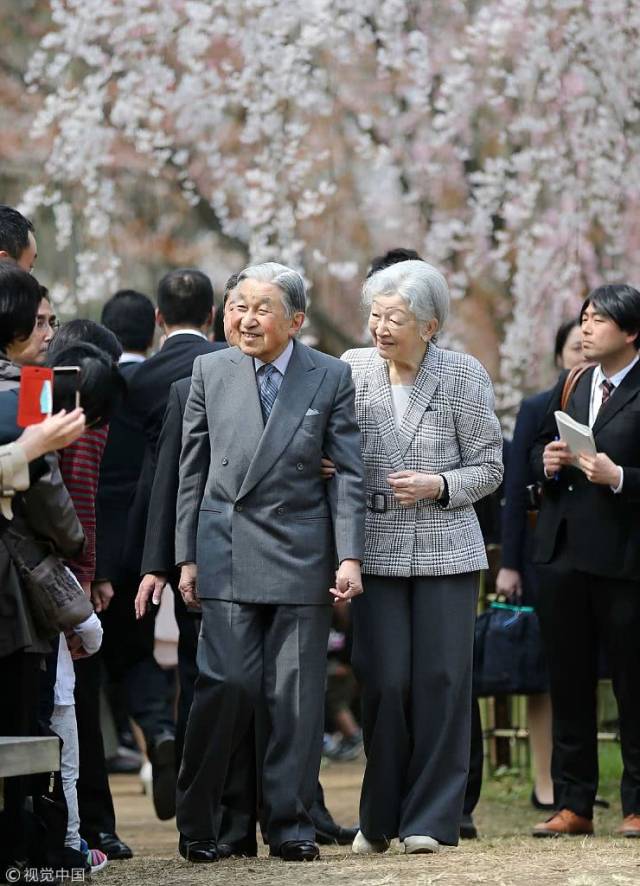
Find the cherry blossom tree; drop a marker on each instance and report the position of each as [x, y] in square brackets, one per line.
[499, 138]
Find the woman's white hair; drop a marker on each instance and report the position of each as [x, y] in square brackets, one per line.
[288, 281]
[418, 283]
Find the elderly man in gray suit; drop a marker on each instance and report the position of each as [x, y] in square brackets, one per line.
[258, 536]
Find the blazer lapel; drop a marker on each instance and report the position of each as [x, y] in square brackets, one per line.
[421, 395]
[382, 411]
[299, 385]
[628, 389]
[242, 394]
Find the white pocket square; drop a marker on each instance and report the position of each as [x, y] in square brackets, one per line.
[312, 412]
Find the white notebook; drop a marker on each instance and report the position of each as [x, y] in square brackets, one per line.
[578, 437]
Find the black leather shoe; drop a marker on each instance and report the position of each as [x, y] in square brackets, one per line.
[538, 804]
[468, 830]
[296, 850]
[162, 755]
[335, 835]
[247, 848]
[198, 851]
[328, 832]
[111, 845]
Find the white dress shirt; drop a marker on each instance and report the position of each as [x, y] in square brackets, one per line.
[595, 401]
[129, 357]
[187, 332]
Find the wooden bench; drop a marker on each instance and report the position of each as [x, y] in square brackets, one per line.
[27, 756]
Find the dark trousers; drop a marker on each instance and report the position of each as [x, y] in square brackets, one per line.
[127, 650]
[94, 795]
[413, 657]
[19, 678]
[253, 656]
[577, 613]
[476, 761]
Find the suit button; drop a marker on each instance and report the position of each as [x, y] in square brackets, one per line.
[238, 508]
[570, 488]
[280, 511]
[300, 466]
[225, 461]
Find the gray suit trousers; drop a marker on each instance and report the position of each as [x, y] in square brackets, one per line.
[413, 657]
[266, 658]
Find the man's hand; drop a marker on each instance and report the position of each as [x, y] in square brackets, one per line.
[509, 583]
[55, 432]
[101, 595]
[555, 456]
[600, 469]
[327, 468]
[152, 585]
[410, 487]
[348, 580]
[188, 585]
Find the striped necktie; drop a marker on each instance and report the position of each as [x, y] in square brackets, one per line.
[268, 389]
[607, 389]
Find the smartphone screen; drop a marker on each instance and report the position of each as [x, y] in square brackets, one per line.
[35, 397]
[66, 388]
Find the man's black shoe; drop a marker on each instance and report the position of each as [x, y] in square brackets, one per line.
[336, 834]
[112, 846]
[162, 755]
[198, 851]
[468, 830]
[297, 850]
[247, 848]
[328, 832]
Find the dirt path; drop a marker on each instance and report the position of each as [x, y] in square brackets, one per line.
[505, 856]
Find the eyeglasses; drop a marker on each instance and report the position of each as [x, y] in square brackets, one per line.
[44, 322]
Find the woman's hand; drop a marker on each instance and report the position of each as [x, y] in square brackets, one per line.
[509, 583]
[151, 587]
[55, 432]
[410, 487]
[327, 468]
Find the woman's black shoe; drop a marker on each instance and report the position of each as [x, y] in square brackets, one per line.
[546, 807]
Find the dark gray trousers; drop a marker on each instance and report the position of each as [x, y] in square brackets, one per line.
[413, 656]
[256, 657]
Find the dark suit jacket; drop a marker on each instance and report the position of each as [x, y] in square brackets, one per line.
[119, 473]
[159, 544]
[602, 529]
[148, 395]
[518, 476]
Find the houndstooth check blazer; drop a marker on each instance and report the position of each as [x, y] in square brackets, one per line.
[449, 428]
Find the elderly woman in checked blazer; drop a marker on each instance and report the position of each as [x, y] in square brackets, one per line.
[432, 447]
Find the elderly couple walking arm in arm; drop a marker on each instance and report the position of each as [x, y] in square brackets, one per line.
[411, 431]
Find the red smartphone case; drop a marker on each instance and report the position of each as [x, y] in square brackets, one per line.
[33, 397]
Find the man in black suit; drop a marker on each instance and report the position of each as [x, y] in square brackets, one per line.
[587, 548]
[185, 313]
[128, 645]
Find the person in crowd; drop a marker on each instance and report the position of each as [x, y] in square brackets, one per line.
[47, 509]
[587, 552]
[432, 446]
[55, 432]
[250, 484]
[77, 342]
[128, 646]
[391, 257]
[342, 693]
[516, 578]
[184, 313]
[17, 238]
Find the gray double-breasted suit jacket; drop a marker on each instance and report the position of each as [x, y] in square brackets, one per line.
[253, 511]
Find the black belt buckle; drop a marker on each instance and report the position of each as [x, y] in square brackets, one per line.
[378, 503]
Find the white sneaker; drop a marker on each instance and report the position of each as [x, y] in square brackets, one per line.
[420, 844]
[362, 846]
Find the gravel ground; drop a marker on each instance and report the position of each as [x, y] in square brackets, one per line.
[504, 855]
